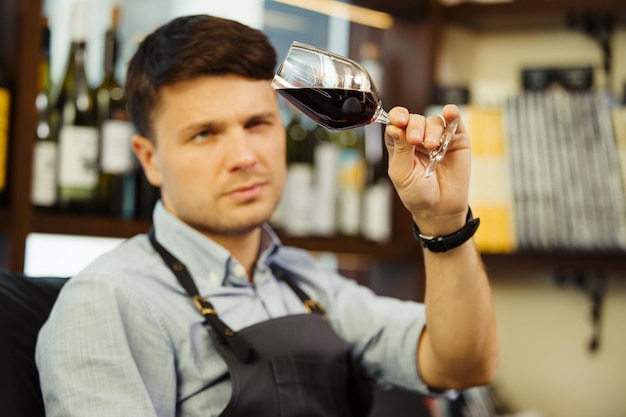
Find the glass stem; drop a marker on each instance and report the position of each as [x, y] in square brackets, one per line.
[381, 116]
[437, 154]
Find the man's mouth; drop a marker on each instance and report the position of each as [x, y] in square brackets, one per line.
[247, 192]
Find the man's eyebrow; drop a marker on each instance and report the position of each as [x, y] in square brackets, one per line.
[262, 115]
[200, 126]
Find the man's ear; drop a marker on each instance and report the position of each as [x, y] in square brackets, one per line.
[145, 151]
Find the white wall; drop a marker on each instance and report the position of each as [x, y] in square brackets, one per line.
[545, 330]
[53, 255]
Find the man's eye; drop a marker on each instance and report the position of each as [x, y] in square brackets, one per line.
[203, 135]
[257, 123]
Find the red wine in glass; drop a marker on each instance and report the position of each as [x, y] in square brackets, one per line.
[333, 108]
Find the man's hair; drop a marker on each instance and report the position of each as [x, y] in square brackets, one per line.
[189, 47]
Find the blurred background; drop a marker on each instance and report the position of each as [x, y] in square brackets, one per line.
[541, 84]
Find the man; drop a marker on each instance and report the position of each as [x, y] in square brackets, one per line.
[210, 315]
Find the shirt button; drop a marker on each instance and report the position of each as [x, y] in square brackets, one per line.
[239, 270]
[214, 278]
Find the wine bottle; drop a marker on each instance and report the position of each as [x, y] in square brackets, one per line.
[325, 176]
[74, 107]
[376, 215]
[297, 199]
[44, 182]
[352, 175]
[116, 175]
[5, 108]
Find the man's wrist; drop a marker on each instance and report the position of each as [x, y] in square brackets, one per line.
[452, 240]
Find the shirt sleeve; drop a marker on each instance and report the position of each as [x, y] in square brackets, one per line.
[95, 350]
[383, 331]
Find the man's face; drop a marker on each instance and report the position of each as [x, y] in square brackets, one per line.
[218, 153]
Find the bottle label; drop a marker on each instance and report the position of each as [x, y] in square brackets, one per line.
[116, 156]
[349, 213]
[5, 99]
[377, 211]
[298, 204]
[352, 170]
[44, 174]
[78, 153]
[323, 218]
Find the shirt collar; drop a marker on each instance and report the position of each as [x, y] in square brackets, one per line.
[206, 259]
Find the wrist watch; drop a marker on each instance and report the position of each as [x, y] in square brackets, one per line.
[451, 241]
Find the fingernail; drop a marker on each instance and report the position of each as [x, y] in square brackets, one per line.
[430, 141]
[415, 135]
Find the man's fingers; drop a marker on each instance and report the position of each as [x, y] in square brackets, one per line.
[434, 130]
[451, 112]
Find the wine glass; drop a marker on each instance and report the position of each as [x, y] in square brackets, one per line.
[338, 93]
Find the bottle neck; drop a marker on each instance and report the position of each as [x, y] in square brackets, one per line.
[78, 56]
[110, 54]
[81, 85]
[78, 23]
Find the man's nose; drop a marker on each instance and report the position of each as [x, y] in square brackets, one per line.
[241, 153]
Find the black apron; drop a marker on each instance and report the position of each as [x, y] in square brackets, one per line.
[285, 367]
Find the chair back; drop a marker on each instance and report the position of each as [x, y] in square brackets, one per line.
[25, 303]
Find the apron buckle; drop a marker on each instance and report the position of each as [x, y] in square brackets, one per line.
[203, 305]
[314, 306]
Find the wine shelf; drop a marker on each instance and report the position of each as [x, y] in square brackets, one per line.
[531, 14]
[400, 249]
[90, 225]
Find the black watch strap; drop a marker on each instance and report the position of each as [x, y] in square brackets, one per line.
[451, 241]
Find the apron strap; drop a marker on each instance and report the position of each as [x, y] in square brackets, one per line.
[311, 306]
[226, 335]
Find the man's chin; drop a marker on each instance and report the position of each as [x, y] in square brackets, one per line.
[240, 226]
[243, 229]
[248, 218]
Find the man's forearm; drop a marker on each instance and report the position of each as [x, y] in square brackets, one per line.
[459, 347]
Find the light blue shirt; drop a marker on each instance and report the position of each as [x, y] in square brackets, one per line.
[124, 339]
